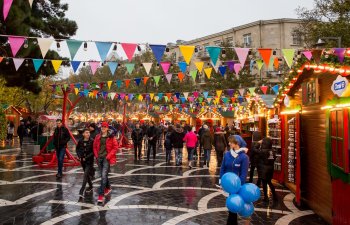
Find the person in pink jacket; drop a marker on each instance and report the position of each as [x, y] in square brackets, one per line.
[191, 141]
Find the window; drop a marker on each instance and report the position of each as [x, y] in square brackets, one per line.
[337, 137]
[247, 40]
[296, 38]
[310, 92]
[229, 40]
[217, 42]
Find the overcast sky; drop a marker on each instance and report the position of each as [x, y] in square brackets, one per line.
[163, 21]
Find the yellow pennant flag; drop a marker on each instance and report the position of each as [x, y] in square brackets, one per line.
[207, 72]
[187, 52]
[140, 97]
[217, 100]
[171, 107]
[199, 66]
[218, 93]
[151, 95]
[56, 64]
[109, 83]
[76, 90]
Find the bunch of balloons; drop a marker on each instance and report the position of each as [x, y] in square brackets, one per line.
[241, 197]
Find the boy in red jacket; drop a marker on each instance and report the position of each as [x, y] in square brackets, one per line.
[105, 149]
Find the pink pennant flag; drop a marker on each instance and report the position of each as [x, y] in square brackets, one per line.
[122, 96]
[242, 54]
[237, 68]
[17, 62]
[165, 66]
[94, 65]
[196, 94]
[15, 44]
[129, 50]
[308, 54]
[6, 8]
[168, 77]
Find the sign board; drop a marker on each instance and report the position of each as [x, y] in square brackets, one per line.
[339, 85]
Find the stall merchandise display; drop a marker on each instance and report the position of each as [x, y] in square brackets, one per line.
[274, 133]
[291, 150]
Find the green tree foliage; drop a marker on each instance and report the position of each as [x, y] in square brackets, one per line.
[3, 125]
[328, 18]
[45, 19]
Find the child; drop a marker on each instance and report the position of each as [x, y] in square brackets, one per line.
[236, 161]
[86, 155]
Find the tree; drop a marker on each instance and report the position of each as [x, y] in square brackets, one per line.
[3, 125]
[45, 19]
[328, 18]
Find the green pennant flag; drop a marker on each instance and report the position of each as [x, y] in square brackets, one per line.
[194, 74]
[200, 99]
[260, 63]
[252, 90]
[166, 98]
[58, 88]
[288, 56]
[156, 79]
[130, 67]
[225, 99]
[73, 46]
[65, 86]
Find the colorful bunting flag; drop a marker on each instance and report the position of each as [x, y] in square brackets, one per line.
[242, 54]
[103, 49]
[230, 65]
[237, 68]
[113, 67]
[259, 63]
[276, 63]
[129, 49]
[75, 65]
[31, 3]
[181, 76]
[151, 95]
[205, 94]
[222, 70]
[147, 67]
[158, 51]
[76, 90]
[252, 90]
[6, 8]
[37, 64]
[56, 64]
[109, 84]
[218, 93]
[196, 94]
[288, 56]
[15, 43]
[182, 66]
[130, 67]
[94, 65]
[275, 89]
[1, 58]
[187, 52]
[307, 54]
[18, 62]
[207, 72]
[118, 83]
[145, 79]
[156, 79]
[230, 92]
[186, 95]
[44, 45]
[265, 55]
[168, 77]
[340, 52]
[241, 91]
[193, 74]
[113, 94]
[73, 46]
[137, 81]
[199, 66]
[264, 89]
[127, 82]
[165, 66]
[214, 53]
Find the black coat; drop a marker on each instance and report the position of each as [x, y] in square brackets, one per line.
[137, 135]
[254, 154]
[85, 150]
[177, 138]
[220, 143]
[60, 137]
[207, 140]
[267, 158]
[152, 133]
[21, 130]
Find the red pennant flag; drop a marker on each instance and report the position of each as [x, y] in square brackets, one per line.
[168, 95]
[101, 85]
[1, 58]
[264, 89]
[127, 82]
[129, 50]
[145, 79]
[181, 76]
[265, 55]
[71, 86]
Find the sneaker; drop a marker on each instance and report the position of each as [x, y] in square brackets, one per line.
[101, 199]
[89, 189]
[108, 191]
[81, 195]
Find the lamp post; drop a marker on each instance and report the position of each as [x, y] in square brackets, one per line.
[321, 41]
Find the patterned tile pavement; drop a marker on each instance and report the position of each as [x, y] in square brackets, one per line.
[143, 193]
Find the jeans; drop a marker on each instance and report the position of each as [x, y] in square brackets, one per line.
[178, 155]
[103, 166]
[152, 145]
[137, 150]
[190, 151]
[207, 155]
[60, 157]
[232, 219]
[87, 167]
[168, 154]
[252, 168]
[219, 157]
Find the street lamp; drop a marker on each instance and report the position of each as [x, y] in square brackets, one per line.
[321, 41]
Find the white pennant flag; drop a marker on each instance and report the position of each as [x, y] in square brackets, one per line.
[186, 94]
[44, 44]
[31, 3]
[147, 67]
[113, 95]
[17, 62]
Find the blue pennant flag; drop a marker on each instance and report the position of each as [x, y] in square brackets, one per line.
[137, 80]
[183, 99]
[103, 49]
[158, 51]
[251, 65]
[86, 92]
[112, 66]
[222, 70]
[240, 99]
[177, 94]
[131, 96]
[214, 53]
[160, 96]
[118, 83]
[205, 94]
[78, 85]
[75, 65]
[183, 66]
[275, 89]
[37, 64]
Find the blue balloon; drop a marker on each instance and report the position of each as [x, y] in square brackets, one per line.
[231, 183]
[249, 192]
[247, 210]
[234, 203]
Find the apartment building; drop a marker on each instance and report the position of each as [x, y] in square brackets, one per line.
[275, 34]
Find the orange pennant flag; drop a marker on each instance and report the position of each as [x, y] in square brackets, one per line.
[1, 58]
[168, 95]
[95, 92]
[276, 63]
[233, 99]
[127, 82]
[265, 55]
[145, 79]
[181, 76]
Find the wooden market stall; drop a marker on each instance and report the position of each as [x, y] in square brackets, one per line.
[211, 118]
[174, 117]
[12, 114]
[314, 129]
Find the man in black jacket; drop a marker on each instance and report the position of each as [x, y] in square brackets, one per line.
[21, 131]
[177, 141]
[137, 137]
[152, 140]
[60, 139]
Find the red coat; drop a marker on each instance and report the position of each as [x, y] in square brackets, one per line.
[111, 148]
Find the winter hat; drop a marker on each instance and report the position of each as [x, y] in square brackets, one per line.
[205, 126]
[257, 136]
[104, 124]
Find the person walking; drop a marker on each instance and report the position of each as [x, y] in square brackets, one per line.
[60, 140]
[137, 137]
[235, 161]
[168, 144]
[85, 153]
[105, 149]
[191, 141]
[10, 131]
[267, 160]
[254, 157]
[93, 130]
[200, 133]
[21, 132]
[177, 141]
[206, 141]
[152, 140]
[220, 145]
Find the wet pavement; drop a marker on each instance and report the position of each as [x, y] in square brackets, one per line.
[143, 193]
